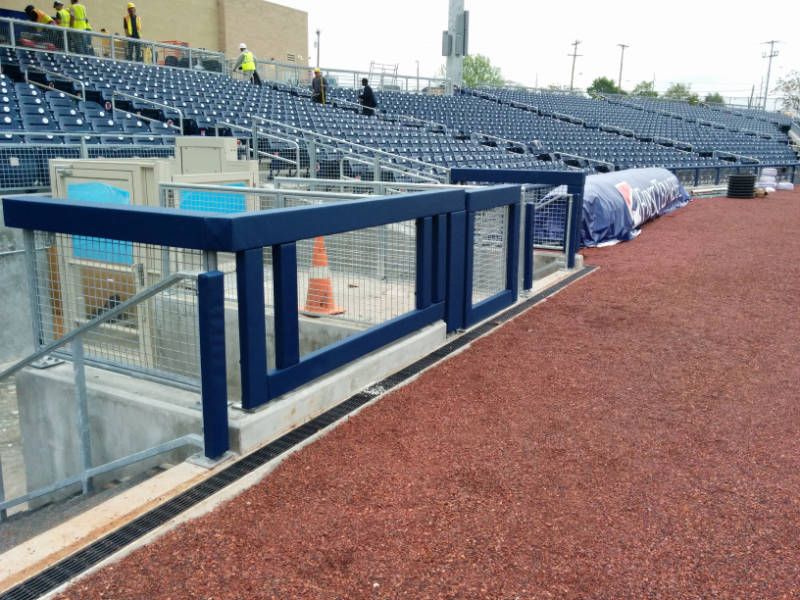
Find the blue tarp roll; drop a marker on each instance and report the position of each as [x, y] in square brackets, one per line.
[616, 204]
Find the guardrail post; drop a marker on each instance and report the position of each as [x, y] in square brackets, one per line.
[287, 328]
[377, 169]
[527, 278]
[252, 327]
[456, 242]
[425, 264]
[570, 248]
[512, 262]
[440, 258]
[82, 405]
[214, 386]
[12, 34]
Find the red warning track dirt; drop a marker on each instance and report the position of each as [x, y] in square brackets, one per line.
[635, 436]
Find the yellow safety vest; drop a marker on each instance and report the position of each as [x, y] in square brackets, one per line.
[63, 17]
[81, 21]
[42, 17]
[249, 61]
[129, 24]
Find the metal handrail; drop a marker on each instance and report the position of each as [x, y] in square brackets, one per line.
[56, 74]
[376, 186]
[210, 187]
[258, 152]
[116, 93]
[346, 143]
[14, 23]
[98, 320]
[96, 134]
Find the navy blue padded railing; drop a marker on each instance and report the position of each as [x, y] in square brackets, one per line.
[442, 289]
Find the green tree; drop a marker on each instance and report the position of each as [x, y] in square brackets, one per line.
[678, 91]
[693, 99]
[789, 88]
[715, 98]
[603, 85]
[644, 88]
[479, 71]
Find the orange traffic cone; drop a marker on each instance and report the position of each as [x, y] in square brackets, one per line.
[319, 299]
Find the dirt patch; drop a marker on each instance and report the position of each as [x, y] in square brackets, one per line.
[636, 436]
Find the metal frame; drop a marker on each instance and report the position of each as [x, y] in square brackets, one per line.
[574, 180]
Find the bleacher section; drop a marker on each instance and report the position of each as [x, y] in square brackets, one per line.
[497, 128]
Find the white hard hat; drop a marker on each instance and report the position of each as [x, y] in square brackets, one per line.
[242, 46]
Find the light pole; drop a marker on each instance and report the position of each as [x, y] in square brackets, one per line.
[770, 55]
[317, 45]
[621, 60]
[574, 55]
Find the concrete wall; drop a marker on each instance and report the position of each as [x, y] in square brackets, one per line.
[271, 30]
[125, 416]
[16, 337]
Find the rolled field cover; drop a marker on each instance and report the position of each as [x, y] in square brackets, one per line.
[615, 205]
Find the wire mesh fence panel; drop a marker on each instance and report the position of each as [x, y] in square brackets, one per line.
[25, 166]
[77, 278]
[490, 252]
[351, 281]
[551, 212]
[124, 150]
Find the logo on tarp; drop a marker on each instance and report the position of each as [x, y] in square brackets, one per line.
[624, 188]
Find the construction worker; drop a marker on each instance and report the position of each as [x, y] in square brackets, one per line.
[38, 16]
[42, 35]
[132, 26]
[62, 14]
[79, 21]
[246, 63]
[319, 88]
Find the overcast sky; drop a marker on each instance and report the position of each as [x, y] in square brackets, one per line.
[711, 44]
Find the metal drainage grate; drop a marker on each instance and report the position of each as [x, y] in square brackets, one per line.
[72, 566]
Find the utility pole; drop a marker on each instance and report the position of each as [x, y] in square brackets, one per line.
[574, 55]
[770, 55]
[317, 45]
[621, 60]
[455, 40]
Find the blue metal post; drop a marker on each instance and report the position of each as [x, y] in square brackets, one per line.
[252, 327]
[469, 256]
[287, 332]
[512, 262]
[440, 258]
[424, 287]
[211, 315]
[454, 304]
[527, 281]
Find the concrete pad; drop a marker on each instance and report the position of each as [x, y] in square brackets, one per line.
[38, 553]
